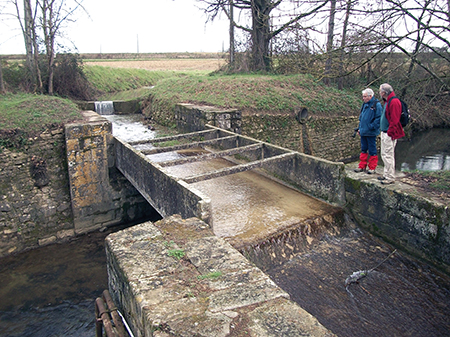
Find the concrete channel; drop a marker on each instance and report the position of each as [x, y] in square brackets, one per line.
[244, 217]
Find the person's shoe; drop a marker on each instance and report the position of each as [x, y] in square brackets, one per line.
[371, 172]
[387, 182]
[357, 170]
[381, 178]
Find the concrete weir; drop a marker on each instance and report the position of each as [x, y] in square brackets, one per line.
[188, 277]
[242, 213]
[179, 279]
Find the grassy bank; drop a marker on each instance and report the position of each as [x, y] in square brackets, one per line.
[23, 116]
[263, 94]
[33, 112]
[251, 93]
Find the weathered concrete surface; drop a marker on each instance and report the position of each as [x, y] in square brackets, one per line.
[190, 117]
[211, 291]
[401, 215]
[100, 198]
[166, 194]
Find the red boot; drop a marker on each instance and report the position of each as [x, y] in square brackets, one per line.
[373, 161]
[362, 162]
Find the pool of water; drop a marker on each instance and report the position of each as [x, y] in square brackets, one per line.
[50, 291]
[426, 151]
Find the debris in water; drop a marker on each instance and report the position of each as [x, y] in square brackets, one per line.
[357, 275]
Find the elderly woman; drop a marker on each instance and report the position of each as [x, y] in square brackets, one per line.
[369, 129]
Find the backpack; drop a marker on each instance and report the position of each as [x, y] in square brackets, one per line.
[405, 116]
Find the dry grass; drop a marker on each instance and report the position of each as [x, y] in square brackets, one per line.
[167, 64]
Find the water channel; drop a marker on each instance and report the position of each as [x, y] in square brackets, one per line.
[426, 151]
[50, 291]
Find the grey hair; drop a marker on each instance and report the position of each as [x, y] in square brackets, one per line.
[368, 92]
[386, 88]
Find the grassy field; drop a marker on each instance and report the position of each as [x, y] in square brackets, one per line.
[196, 65]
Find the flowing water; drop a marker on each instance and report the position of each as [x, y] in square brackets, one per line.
[50, 291]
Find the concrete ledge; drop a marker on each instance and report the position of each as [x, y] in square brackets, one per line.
[401, 216]
[211, 291]
[166, 194]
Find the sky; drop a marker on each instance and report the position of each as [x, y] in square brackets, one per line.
[130, 26]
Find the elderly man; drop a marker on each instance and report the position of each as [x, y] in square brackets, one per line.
[369, 129]
[391, 130]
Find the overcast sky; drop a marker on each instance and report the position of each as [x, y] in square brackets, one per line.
[147, 26]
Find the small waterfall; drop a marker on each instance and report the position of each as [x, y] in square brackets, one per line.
[299, 239]
[104, 108]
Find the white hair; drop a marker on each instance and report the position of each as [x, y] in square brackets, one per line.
[368, 92]
[387, 88]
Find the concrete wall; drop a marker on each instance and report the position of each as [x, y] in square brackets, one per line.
[98, 198]
[407, 220]
[38, 203]
[190, 117]
[166, 194]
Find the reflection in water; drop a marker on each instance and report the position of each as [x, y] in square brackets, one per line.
[427, 151]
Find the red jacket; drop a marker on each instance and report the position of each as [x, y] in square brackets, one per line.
[393, 112]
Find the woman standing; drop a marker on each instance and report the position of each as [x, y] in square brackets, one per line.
[369, 129]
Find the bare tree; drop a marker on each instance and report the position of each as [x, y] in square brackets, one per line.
[42, 22]
[259, 12]
[54, 15]
[343, 42]
[330, 37]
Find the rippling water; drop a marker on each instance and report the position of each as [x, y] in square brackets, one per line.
[426, 151]
[50, 291]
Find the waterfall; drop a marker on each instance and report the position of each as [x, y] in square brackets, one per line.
[104, 108]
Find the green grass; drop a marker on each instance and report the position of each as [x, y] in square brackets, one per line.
[251, 92]
[31, 113]
[176, 253]
[212, 275]
[107, 79]
[256, 93]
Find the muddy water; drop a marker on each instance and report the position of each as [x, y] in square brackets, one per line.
[401, 297]
[248, 207]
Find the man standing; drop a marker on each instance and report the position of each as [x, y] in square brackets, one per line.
[369, 129]
[391, 130]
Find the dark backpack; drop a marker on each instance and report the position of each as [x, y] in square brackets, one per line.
[405, 116]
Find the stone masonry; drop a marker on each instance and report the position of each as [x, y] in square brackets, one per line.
[179, 279]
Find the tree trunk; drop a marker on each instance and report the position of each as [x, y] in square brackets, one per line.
[49, 39]
[328, 64]
[2, 85]
[343, 42]
[260, 35]
[28, 38]
[232, 33]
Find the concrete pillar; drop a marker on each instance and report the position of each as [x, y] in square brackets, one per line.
[87, 156]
